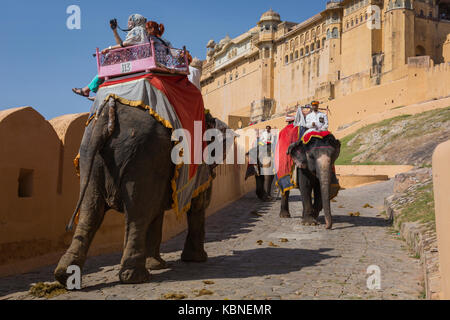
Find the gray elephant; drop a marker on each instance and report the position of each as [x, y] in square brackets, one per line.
[315, 173]
[126, 165]
[262, 171]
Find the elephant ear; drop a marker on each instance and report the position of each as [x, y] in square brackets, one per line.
[298, 154]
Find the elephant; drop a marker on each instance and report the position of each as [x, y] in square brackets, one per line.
[315, 163]
[125, 164]
[260, 170]
[264, 187]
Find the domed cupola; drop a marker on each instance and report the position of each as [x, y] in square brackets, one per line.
[270, 16]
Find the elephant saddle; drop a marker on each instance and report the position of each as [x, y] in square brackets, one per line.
[177, 104]
[314, 134]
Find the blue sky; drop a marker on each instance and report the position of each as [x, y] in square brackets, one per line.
[41, 59]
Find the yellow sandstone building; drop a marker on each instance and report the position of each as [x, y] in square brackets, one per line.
[391, 49]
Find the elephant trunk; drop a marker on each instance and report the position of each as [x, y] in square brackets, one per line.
[324, 175]
[103, 127]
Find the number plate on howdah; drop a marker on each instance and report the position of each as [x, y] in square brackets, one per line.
[126, 67]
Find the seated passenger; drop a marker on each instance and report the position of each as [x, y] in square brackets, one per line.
[155, 32]
[316, 120]
[162, 46]
[300, 119]
[136, 35]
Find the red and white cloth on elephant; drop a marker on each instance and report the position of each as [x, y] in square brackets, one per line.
[177, 104]
[284, 165]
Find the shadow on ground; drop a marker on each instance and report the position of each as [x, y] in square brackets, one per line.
[242, 264]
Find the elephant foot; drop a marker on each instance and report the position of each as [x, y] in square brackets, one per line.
[310, 221]
[60, 272]
[194, 255]
[158, 263]
[285, 214]
[134, 276]
[328, 223]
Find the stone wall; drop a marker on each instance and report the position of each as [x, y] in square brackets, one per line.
[39, 190]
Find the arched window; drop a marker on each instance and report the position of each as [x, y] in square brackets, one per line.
[323, 42]
[335, 33]
[296, 54]
[318, 44]
[328, 34]
[307, 50]
[292, 56]
[312, 47]
[286, 59]
[301, 52]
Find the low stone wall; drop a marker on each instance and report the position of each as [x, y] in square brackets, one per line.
[39, 190]
[419, 235]
[441, 180]
[390, 171]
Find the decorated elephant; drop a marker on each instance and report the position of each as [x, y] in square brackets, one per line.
[126, 164]
[262, 170]
[315, 162]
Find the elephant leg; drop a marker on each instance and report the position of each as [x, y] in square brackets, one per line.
[194, 246]
[141, 209]
[153, 242]
[260, 193]
[268, 181]
[133, 268]
[284, 212]
[317, 207]
[306, 187]
[92, 212]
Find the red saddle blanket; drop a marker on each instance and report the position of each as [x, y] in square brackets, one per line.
[283, 162]
[186, 100]
[314, 134]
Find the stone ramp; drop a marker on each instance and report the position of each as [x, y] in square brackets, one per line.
[312, 264]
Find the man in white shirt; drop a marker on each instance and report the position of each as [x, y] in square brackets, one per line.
[195, 72]
[266, 136]
[316, 120]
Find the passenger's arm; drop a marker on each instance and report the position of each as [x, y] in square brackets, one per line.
[118, 46]
[117, 37]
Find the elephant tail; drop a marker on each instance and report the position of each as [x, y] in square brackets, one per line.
[103, 127]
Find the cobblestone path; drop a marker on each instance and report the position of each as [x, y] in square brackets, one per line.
[313, 264]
